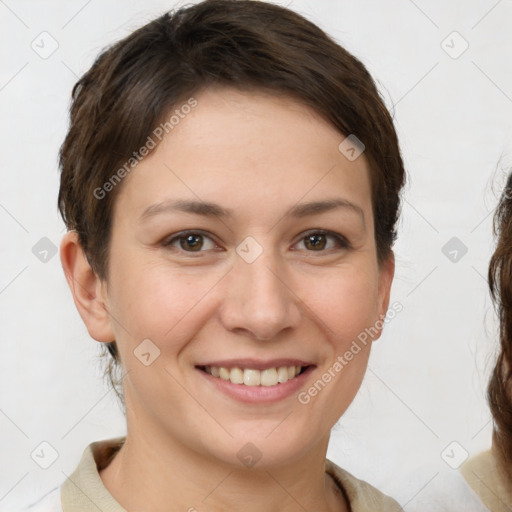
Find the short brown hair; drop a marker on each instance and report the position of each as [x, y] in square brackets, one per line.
[247, 44]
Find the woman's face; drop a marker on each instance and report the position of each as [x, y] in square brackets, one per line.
[216, 259]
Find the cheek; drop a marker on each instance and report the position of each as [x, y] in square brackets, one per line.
[347, 306]
[346, 301]
[155, 301]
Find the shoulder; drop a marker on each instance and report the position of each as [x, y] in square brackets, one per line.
[48, 503]
[443, 490]
[362, 496]
[479, 465]
[486, 476]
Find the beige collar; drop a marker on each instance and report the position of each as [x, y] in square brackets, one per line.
[487, 478]
[84, 491]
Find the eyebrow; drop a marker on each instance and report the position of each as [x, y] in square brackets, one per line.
[209, 209]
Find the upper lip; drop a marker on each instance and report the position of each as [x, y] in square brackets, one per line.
[256, 364]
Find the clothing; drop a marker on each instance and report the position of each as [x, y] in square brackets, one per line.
[487, 479]
[432, 488]
[84, 491]
[479, 485]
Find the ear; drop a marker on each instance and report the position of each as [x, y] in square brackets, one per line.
[89, 291]
[386, 274]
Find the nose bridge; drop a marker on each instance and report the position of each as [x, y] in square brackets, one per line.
[258, 299]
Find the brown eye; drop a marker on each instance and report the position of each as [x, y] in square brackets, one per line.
[190, 242]
[317, 241]
[194, 242]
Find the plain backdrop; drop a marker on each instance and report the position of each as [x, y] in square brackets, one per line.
[444, 69]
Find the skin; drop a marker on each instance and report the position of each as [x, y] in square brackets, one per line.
[259, 155]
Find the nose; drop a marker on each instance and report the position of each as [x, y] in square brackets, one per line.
[259, 299]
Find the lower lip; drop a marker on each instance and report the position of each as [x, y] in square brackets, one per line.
[259, 394]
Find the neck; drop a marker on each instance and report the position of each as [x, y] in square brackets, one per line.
[154, 472]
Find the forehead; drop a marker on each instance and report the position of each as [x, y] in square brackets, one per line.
[253, 152]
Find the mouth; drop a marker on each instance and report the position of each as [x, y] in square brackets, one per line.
[247, 376]
[256, 381]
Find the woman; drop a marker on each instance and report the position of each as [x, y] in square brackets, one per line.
[490, 474]
[484, 482]
[230, 184]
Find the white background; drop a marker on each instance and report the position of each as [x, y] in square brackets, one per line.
[425, 386]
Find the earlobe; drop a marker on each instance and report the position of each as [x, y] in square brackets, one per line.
[86, 288]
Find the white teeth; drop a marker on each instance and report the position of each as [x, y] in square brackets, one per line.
[252, 377]
[236, 376]
[269, 377]
[282, 374]
[223, 373]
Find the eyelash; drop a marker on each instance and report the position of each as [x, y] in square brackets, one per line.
[342, 242]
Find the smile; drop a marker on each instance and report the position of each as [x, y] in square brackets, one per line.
[254, 377]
